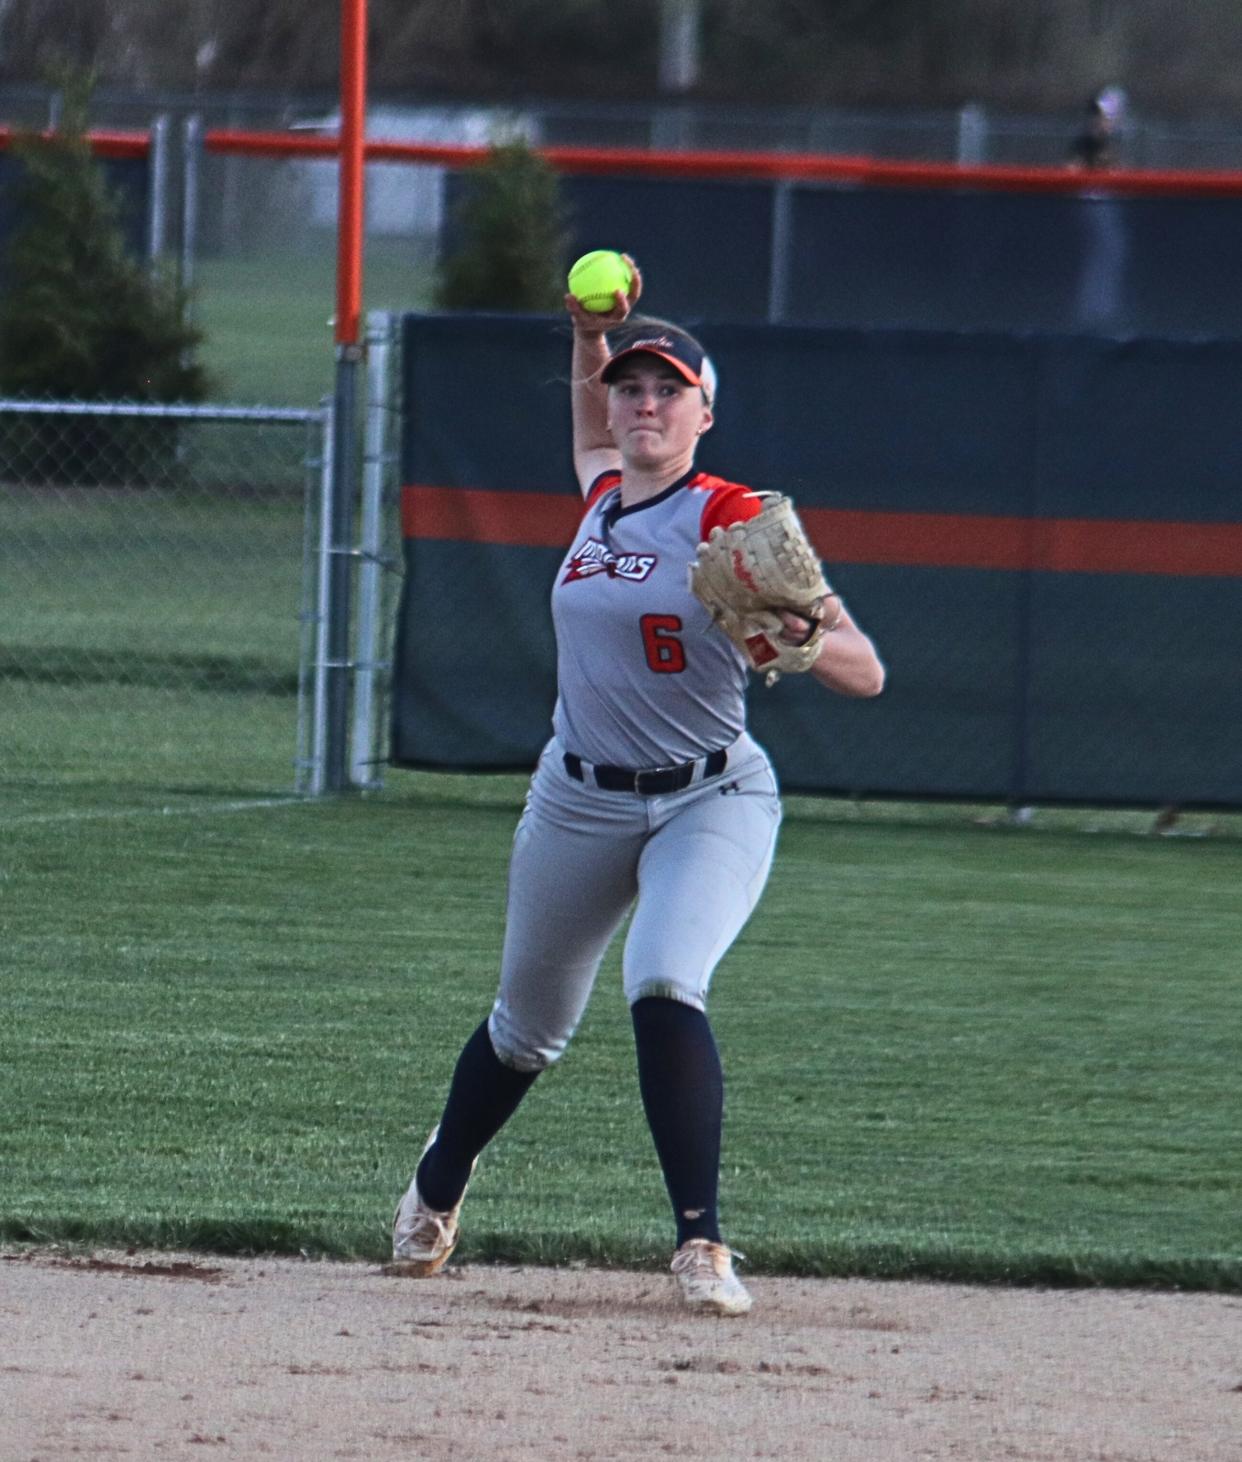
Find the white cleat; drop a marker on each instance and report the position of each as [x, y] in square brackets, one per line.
[704, 1271]
[422, 1238]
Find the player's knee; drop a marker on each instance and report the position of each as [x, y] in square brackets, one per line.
[520, 1050]
[530, 1059]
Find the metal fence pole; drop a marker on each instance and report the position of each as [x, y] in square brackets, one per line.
[157, 189]
[341, 552]
[318, 779]
[972, 134]
[191, 164]
[778, 250]
[680, 26]
[370, 572]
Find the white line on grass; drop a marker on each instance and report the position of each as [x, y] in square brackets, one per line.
[206, 809]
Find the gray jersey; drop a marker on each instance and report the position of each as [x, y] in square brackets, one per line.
[644, 678]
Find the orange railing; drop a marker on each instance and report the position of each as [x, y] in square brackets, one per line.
[785, 166]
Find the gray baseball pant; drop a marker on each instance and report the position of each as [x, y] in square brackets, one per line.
[692, 864]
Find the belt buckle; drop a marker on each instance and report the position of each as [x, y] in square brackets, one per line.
[650, 772]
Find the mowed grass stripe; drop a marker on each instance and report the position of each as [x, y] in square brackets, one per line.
[185, 809]
[950, 1051]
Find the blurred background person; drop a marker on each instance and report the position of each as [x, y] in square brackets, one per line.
[1101, 282]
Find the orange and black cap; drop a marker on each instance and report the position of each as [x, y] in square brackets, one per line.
[680, 350]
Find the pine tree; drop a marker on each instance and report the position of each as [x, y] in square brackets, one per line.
[80, 317]
[510, 237]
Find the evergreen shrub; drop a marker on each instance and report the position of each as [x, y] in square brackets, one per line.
[82, 319]
[508, 237]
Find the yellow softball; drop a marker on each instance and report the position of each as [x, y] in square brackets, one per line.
[595, 278]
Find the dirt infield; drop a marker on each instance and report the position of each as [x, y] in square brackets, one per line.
[115, 1354]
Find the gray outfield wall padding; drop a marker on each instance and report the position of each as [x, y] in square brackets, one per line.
[1043, 534]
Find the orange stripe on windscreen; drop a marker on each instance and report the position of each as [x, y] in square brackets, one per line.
[916, 540]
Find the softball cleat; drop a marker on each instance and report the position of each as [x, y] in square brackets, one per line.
[704, 1271]
[423, 1238]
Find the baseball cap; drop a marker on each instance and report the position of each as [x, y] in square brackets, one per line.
[683, 352]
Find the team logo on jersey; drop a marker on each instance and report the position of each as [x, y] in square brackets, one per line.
[595, 557]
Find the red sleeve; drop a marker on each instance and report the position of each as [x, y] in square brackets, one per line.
[728, 503]
[605, 482]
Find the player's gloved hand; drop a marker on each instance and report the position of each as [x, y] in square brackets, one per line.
[763, 585]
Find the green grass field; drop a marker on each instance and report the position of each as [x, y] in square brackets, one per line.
[266, 317]
[951, 1051]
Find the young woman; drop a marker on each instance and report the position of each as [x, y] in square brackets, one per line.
[650, 795]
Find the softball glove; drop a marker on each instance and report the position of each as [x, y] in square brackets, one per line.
[746, 574]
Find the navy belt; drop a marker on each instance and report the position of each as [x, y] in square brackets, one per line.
[649, 781]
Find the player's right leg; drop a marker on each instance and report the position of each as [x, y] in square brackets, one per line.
[572, 876]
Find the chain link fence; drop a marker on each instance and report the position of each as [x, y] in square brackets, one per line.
[253, 207]
[156, 595]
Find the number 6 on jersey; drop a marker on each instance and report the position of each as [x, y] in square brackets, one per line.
[665, 653]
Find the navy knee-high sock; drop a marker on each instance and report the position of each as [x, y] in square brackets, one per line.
[682, 1088]
[483, 1095]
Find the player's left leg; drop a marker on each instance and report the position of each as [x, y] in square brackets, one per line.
[700, 878]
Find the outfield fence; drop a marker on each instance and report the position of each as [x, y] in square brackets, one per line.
[168, 599]
[1002, 512]
[159, 595]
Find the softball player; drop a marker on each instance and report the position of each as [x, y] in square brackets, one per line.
[650, 795]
